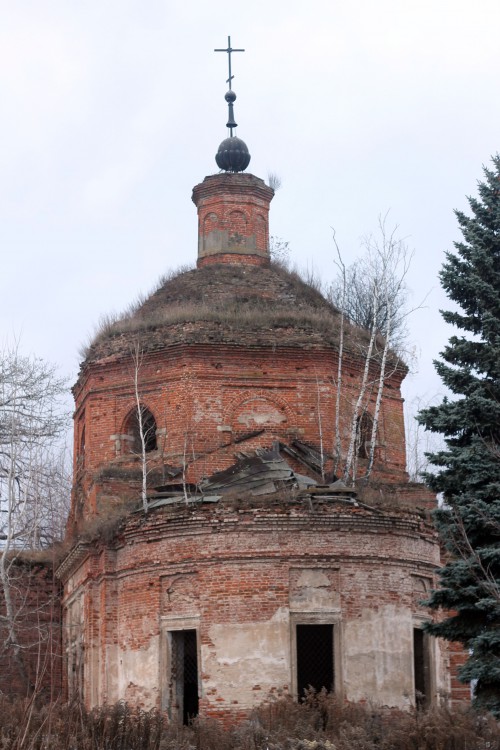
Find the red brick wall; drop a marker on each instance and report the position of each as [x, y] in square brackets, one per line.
[206, 399]
[237, 565]
[36, 601]
[246, 260]
[233, 219]
[459, 692]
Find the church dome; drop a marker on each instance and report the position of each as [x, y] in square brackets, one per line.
[236, 296]
[233, 155]
[221, 303]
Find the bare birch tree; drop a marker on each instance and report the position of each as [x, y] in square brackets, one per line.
[337, 449]
[137, 362]
[32, 422]
[349, 468]
[372, 294]
[392, 261]
[372, 269]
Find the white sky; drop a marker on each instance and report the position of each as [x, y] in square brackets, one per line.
[112, 110]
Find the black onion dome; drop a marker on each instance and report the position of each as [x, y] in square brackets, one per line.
[233, 155]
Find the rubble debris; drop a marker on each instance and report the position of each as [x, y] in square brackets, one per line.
[263, 472]
[260, 474]
[306, 454]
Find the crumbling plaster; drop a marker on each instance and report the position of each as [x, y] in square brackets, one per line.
[244, 579]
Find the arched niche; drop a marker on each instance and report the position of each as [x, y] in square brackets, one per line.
[258, 411]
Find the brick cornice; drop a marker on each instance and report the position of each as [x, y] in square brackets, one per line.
[232, 185]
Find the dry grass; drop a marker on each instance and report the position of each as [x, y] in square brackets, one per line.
[276, 305]
[105, 526]
[324, 723]
[232, 316]
[320, 723]
[32, 557]
[106, 322]
[24, 726]
[183, 306]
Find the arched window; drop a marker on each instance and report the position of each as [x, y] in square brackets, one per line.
[80, 443]
[81, 448]
[364, 435]
[133, 430]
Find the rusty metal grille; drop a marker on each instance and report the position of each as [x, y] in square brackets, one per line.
[314, 658]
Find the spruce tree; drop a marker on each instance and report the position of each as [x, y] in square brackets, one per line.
[468, 469]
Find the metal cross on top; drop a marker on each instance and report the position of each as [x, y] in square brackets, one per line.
[229, 49]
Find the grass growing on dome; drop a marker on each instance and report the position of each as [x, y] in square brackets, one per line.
[315, 310]
[232, 316]
[228, 324]
[106, 322]
[282, 306]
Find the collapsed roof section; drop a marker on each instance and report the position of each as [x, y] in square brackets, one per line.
[264, 472]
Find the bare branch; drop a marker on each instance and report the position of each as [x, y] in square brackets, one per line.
[137, 356]
[33, 476]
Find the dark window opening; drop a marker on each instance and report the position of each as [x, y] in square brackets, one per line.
[314, 658]
[81, 450]
[184, 674]
[421, 668]
[364, 429]
[133, 430]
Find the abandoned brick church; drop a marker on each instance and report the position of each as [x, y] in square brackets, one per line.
[247, 570]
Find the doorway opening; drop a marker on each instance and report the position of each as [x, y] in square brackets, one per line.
[421, 668]
[315, 668]
[184, 674]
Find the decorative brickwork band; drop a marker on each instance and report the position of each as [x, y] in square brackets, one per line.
[233, 219]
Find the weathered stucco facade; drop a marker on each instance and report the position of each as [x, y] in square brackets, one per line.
[253, 573]
[243, 579]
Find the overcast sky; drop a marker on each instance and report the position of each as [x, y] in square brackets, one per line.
[112, 110]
